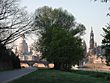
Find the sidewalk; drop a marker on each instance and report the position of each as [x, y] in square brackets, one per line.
[14, 74]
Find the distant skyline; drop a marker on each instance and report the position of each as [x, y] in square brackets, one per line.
[86, 12]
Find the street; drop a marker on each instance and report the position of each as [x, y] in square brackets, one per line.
[6, 76]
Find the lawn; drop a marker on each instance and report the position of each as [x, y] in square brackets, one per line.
[55, 76]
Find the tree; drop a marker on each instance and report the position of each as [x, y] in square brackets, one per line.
[46, 17]
[60, 47]
[14, 21]
[106, 43]
[60, 40]
[106, 40]
[105, 1]
[8, 60]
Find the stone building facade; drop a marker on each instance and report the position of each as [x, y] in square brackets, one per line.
[22, 50]
[94, 54]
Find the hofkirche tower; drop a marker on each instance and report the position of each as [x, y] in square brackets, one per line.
[92, 44]
[91, 39]
[93, 55]
[94, 58]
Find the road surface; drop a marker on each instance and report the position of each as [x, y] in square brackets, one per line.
[14, 74]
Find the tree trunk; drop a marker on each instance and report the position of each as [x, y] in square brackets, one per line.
[56, 66]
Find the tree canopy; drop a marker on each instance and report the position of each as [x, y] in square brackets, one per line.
[60, 47]
[60, 40]
[106, 43]
[46, 17]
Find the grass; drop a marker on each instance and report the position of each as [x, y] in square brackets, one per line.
[97, 74]
[55, 76]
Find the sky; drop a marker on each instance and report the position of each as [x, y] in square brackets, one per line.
[87, 12]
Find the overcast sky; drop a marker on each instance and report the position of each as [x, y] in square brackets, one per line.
[87, 12]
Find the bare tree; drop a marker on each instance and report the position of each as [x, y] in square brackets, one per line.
[14, 21]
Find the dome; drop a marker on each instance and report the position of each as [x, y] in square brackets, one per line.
[22, 47]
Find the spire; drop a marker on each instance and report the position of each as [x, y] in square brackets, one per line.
[91, 29]
[91, 39]
[91, 34]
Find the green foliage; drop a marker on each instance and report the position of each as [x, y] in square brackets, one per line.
[60, 47]
[106, 43]
[46, 17]
[60, 40]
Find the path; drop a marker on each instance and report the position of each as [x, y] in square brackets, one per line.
[14, 74]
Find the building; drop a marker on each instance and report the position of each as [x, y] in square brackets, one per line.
[94, 55]
[22, 50]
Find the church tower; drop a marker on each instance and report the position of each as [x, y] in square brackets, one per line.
[91, 39]
[92, 54]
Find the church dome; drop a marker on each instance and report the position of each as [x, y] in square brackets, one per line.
[22, 47]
